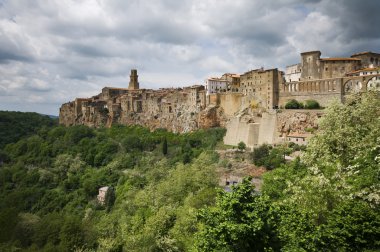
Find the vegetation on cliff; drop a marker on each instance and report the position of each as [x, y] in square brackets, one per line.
[166, 196]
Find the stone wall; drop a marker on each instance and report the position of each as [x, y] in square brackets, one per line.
[270, 127]
[322, 99]
[238, 130]
[230, 102]
[323, 91]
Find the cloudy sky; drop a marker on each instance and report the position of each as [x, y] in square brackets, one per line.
[53, 51]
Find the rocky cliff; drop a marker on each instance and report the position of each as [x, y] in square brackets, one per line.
[297, 121]
[177, 110]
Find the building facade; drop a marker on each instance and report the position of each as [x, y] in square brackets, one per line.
[262, 87]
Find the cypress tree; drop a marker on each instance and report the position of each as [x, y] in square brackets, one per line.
[165, 147]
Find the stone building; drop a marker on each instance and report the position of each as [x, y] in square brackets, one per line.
[313, 67]
[215, 85]
[368, 59]
[245, 104]
[262, 86]
[293, 73]
[227, 83]
[102, 195]
[134, 80]
[374, 82]
[325, 79]
[176, 109]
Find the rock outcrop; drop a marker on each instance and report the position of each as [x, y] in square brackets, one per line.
[298, 121]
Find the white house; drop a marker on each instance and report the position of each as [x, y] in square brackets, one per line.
[216, 85]
[293, 73]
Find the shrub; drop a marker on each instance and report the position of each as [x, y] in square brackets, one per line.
[312, 104]
[241, 146]
[266, 155]
[293, 104]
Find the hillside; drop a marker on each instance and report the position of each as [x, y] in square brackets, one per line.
[16, 125]
[164, 194]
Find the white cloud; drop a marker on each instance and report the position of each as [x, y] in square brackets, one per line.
[54, 51]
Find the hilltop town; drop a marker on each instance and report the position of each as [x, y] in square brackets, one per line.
[249, 105]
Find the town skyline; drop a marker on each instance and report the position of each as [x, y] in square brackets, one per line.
[53, 52]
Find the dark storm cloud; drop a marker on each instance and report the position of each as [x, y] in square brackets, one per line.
[356, 19]
[8, 55]
[13, 47]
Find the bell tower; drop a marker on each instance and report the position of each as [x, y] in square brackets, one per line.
[134, 82]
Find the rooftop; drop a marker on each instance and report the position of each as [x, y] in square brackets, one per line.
[310, 52]
[340, 59]
[364, 53]
[365, 69]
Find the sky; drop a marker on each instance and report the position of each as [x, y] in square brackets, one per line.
[54, 51]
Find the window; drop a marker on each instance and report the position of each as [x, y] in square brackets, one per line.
[326, 69]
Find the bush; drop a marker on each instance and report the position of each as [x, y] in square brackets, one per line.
[293, 104]
[267, 156]
[241, 146]
[312, 104]
[259, 154]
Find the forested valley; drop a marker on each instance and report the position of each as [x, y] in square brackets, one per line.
[164, 192]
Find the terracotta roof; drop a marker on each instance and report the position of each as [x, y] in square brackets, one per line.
[299, 135]
[216, 79]
[340, 59]
[363, 53]
[365, 69]
[232, 74]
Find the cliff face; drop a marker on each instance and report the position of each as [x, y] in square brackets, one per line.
[83, 112]
[184, 120]
[177, 110]
[298, 121]
[255, 127]
[212, 116]
[188, 109]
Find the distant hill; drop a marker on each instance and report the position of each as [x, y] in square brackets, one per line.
[16, 125]
[51, 116]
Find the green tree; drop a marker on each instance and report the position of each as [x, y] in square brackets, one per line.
[260, 154]
[165, 147]
[71, 234]
[323, 208]
[48, 230]
[25, 228]
[241, 146]
[240, 221]
[110, 198]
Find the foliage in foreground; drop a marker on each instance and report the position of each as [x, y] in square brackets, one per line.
[329, 200]
[239, 221]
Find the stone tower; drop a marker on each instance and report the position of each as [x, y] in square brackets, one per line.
[134, 82]
[310, 63]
